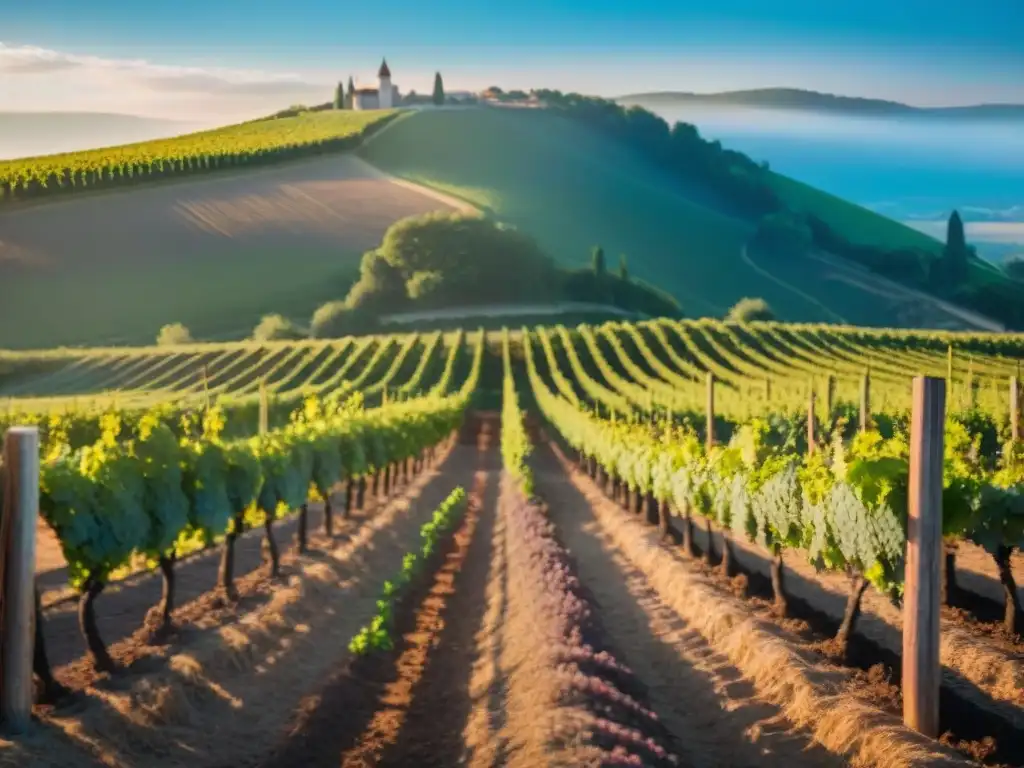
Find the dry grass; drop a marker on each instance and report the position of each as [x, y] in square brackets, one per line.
[810, 695]
[997, 672]
[225, 698]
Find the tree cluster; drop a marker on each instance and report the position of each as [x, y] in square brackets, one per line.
[739, 181]
[442, 259]
[596, 285]
[1014, 267]
[445, 259]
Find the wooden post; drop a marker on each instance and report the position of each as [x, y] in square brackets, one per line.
[264, 408]
[1015, 409]
[923, 582]
[767, 389]
[949, 367]
[830, 396]
[811, 439]
[18, 575]
[710, 438]
[865, 402]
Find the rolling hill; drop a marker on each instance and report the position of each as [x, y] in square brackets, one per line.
[214, 251]
[572, 188]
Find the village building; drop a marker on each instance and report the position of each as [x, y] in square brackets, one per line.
[385, 96]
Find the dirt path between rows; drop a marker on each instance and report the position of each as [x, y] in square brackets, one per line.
[414, 705]
[437, 717]
[713, 714]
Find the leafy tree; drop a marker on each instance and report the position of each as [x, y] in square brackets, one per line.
[750, 310]
[381, 284]
[438, 89]
[174, 333]
[276, 327]
[337, 318]
[339, 96]
[424, 285]
[597, 261]
[1014, 266]
[623, 269]
[456, 258]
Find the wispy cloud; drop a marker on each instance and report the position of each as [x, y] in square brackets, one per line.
[39, 72]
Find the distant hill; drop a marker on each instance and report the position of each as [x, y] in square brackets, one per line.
[27, 134]
[797, 99]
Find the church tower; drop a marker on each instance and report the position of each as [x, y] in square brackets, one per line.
[386, 90]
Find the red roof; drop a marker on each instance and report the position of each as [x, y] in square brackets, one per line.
[384, 71]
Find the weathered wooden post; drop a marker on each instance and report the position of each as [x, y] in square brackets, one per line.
[206, 388]
[923, 587]
[710, 438]
[18, 575]
[865, 402]
[767, 389]
[1015, 409]
[949, 367]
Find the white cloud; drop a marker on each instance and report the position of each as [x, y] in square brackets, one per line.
[34, 78]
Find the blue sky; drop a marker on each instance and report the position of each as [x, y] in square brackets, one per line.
[187, 57]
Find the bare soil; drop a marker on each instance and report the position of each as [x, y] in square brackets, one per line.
[122, 608]
[875, 674]
[166, 253]
[714, 714]
[338, 199]
[411, 705]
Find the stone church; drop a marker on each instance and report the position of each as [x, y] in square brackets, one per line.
[383, 97]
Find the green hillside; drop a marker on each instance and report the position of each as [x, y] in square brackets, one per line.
[572, 188]
[212, 230]
[851, 220]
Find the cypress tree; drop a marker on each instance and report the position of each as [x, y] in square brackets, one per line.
[351, 91]
[339, 96]
[597, 262]
[956, 252]
[438, 97]
[623, 269]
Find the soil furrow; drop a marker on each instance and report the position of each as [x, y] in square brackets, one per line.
[411, 705]
[437, 721]
[714, 714]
